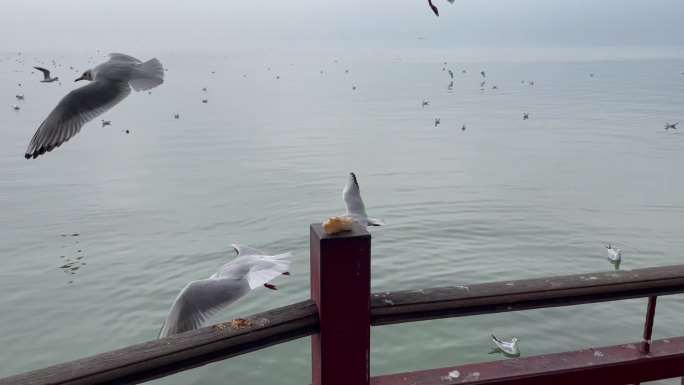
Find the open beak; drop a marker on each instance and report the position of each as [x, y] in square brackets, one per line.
[81, 78]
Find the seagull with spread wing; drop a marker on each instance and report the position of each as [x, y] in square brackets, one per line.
[110, 83]
[434, 9]
[355, 208]
[46, 75]
[200, 300]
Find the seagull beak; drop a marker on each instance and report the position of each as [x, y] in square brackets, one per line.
[81, 78]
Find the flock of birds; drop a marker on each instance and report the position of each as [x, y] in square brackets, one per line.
[110, 83]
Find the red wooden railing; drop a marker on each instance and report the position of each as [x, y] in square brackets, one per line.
[342, 310]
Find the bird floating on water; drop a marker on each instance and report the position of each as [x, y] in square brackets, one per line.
[15, 107]
[205, 100]
[673, 125]
[106, 123]
[509, 349]
[614, 256]
[351, 194]
[204, 88]
[463, 128]
[438, 121]
[483, 74]
[526, 115]
[110, 83]
[201, 299]
[353, 88]
[176, 116]
[46, 75]
[20, 97]
[425, 103]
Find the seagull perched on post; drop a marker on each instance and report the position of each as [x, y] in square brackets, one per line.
[200, 300]
[110, 83]
[509, 349]
[351, 194]
[434, 9]
[46, 75]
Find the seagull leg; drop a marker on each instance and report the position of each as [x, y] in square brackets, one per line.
[269, 286]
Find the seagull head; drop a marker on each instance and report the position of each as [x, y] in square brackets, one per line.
[88, 75]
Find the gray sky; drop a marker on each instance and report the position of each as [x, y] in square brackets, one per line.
[202, 25]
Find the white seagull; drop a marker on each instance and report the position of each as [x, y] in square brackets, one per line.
[46, 75]
[509, 349]
[110, 83]
[200, 300]
[355, 208]
[614, 256]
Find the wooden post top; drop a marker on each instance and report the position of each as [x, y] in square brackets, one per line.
[357, 231]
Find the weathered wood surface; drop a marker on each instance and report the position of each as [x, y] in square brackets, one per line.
[455, 301]
[159, 358]
[611, 365]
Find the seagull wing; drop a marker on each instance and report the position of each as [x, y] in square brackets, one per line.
[74, 110]
[255, 266]
[352, 197]
[46, 73]
[200, 300]
[124, 57]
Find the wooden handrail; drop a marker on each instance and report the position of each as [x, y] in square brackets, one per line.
[159, 358]
[457, 301]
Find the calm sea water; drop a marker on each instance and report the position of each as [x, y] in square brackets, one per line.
[265, 157]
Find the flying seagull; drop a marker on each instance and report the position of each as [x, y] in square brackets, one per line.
[46, 75]
[351, 194]
[110, 83]
[434, 9]
[200, 300]
[509, 349]
[673, 125]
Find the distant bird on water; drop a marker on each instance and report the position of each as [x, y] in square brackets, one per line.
[20, 97]
[205, 100]
[526, 115]
[176, 116]
[425, 103]
[509, 349]
[483, 74]
[463, 128]
[434, 9]
[46, 75]
[200, 300]
[16, 108]
[106, 123]
[673, 125]
[438, 121]
[110, 83]
[351, 194]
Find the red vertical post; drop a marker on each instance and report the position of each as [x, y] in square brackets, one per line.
[648, 326]
[340, 286]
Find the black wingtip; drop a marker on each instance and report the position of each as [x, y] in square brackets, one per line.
[434, 9]
[353, 176]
